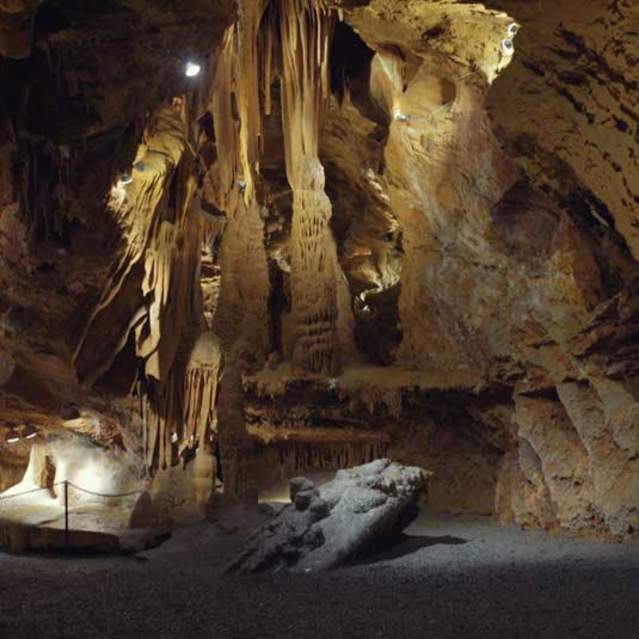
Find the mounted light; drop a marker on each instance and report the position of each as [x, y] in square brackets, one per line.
[507, 46]
[192, 69]
[513, 29]
[29, 432]
[12, 436]
[126, 178]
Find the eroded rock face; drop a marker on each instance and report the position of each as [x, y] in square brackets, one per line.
[325, 528]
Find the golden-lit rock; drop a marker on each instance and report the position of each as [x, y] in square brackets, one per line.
[367, 228]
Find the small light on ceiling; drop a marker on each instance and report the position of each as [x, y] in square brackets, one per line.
[12, 437]
[192, 69]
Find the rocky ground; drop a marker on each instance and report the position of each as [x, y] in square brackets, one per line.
[450, 576]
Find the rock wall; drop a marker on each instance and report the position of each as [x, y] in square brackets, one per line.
[379, 227]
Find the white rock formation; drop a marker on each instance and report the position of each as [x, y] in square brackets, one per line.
[325, 527]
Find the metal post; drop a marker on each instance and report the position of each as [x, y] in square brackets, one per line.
[66, 514]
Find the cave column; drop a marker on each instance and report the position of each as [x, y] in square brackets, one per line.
[242, 318]
[306, 30]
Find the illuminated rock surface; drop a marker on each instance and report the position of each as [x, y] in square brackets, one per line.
[366, 228]
[324, 528]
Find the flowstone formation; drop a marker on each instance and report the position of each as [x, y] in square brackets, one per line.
[244, 240]
[323, 528]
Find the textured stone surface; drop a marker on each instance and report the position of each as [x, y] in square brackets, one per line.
[347, 516]
[385, 227]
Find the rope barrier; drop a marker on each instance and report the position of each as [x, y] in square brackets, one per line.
[27, 492]
[68, 483]
[67, 510]
[115, 495]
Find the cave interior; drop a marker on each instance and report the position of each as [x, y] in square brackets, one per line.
[242, 241]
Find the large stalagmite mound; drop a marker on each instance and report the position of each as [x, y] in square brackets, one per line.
[366, 228]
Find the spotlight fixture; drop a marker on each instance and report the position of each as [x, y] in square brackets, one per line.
[29, 432]
[12, 436]
[192, 69]
[513, 29]
[507, 46]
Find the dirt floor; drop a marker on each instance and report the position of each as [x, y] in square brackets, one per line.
[449, 576]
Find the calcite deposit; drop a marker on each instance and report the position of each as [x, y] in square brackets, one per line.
[242, 240]
[345, 518]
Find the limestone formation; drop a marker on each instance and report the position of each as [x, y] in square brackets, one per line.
[324, 528]
[244, 240]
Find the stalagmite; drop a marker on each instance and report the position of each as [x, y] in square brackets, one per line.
[236, 447]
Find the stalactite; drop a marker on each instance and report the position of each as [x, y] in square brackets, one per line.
[199, 416]
[200, 390]
[164, 243]
[300, 456]
[158, 409]
[250, 16]
[306, 27]
[243, 304]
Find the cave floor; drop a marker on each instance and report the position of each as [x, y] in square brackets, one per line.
[449, 576]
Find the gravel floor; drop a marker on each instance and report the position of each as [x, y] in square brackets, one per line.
[449, 577]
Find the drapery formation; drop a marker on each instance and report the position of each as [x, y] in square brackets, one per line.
[150, 305]
[289, 38]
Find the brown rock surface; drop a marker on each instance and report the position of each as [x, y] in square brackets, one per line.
[378, 227]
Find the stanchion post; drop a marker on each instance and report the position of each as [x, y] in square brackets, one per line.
[66, 514]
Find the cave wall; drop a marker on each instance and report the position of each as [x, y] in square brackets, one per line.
[380, 227]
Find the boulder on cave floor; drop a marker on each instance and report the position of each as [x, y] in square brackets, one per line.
[323, 528]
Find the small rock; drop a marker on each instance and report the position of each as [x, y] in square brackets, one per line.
[299, 484]
[304, 498]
